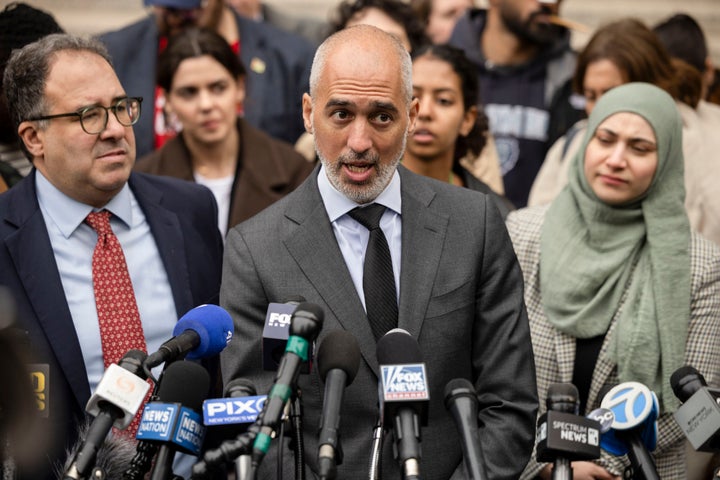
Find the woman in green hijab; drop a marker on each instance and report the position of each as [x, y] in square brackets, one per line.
[617, 287]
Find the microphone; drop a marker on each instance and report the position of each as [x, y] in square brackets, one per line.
[563, 436]
[404, 396]
[230, 417]
[233, 414]
[338, 360]
[116, 400]
[276, 332]
[305, 326]
[202, 332]
[174, 422]
[113, 456]
[634, 429]
[461, 400]
[699, 415]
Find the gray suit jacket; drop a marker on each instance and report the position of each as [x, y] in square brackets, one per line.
[555, 351]
[460, 296]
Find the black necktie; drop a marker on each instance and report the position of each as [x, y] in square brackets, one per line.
[378, 279]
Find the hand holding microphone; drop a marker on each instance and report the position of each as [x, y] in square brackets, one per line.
[338, 360]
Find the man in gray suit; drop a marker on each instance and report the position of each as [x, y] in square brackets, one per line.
[460, 287]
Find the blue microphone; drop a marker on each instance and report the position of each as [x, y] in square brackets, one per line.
[202, 332]
[174, 421]
[232, 416]
[634, 428]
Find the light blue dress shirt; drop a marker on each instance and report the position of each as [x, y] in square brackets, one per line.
[353, 238]
[73, 243]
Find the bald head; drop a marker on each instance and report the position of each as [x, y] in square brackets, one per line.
[368, 46]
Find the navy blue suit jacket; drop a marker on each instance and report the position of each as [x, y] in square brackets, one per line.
[278, 73]
[183, 221]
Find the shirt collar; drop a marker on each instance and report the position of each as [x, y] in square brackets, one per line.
[337, 204]
[68, 213]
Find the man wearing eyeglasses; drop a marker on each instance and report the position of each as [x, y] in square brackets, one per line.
[75, 121]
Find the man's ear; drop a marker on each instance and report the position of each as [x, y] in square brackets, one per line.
[307, 112]
[32, 138]
[413, 113]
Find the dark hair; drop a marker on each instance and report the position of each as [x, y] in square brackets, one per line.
[475, 140]
[192, 43]
[683, 38]
[714, 89]
[634, 49]
[422, 9]
[401, 12]
[27, 70]
[20, 24]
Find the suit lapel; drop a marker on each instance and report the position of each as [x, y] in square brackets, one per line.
[423, 235]
[565, 353]
[313, 246]
[170, 241]
[604, 367]
[31, 252]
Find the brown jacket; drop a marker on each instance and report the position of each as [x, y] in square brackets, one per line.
[267, 170]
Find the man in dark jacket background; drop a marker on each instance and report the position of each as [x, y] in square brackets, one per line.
[525, 65]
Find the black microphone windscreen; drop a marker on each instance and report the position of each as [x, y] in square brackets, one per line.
[295, 299]
[397, 347]
[685, 381]
[339, 350]
[113, 457]
[186, 383]
[310, 309]
[133, 361]
[459, 387]
[563, 397]
[604, 391]
[240, 387]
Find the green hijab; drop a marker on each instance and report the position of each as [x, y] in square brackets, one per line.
[591, 253]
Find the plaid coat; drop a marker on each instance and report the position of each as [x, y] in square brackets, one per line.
[555, 351]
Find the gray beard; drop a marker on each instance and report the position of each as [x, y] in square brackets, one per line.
[366, 193]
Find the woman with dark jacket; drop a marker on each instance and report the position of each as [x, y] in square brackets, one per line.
[246, 169]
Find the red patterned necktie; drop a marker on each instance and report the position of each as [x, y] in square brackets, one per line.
[118, 315]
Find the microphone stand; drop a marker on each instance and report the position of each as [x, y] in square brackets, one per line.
[296, 413]
[376, 452]
[562, 469]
